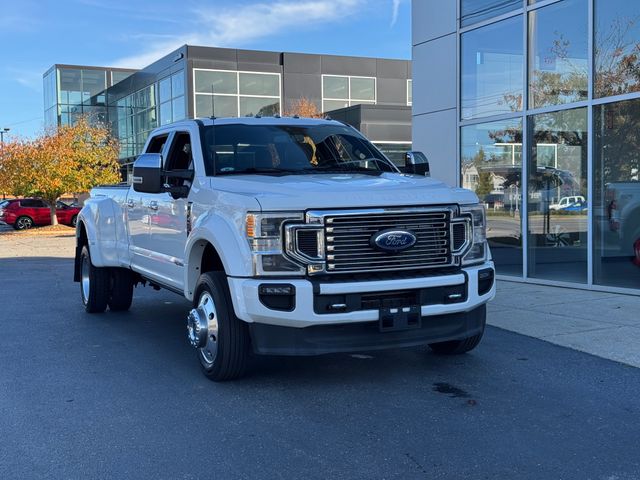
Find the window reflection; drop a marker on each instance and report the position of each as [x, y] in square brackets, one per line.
[232, 94]
[616, 47]
[492, 167]
[558, 54]
[557, 202]
[616, 206]
[340, 91]
[474, 11]
[492, 69]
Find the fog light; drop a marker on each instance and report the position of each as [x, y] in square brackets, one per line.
[277, 289]
[278, 296]
[485, 280]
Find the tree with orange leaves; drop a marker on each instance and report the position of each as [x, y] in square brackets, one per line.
[304, 107]
[72, 158]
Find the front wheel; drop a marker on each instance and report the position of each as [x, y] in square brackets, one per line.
[23, 223]
[94, 284]
[457, 347]
[221, 338]
[74, 221]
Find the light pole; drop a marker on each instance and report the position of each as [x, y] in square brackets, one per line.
[2, 132]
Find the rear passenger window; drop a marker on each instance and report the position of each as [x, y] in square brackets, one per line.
[156, 145]
[32, 203]
[180, 159]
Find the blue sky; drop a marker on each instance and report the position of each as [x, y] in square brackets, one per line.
[36, 34]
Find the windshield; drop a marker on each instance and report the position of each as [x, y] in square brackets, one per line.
[289, 150]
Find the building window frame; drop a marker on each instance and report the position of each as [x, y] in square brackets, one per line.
[409, 90]
[238, 95]
[526, 117]
[350, 100]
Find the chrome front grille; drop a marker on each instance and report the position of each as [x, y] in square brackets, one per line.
[348, 240]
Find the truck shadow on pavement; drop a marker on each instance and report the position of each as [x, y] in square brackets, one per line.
[152, 334]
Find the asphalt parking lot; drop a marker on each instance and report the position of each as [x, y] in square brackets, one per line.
[121, 396]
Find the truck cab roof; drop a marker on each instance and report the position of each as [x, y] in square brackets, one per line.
[208, 121]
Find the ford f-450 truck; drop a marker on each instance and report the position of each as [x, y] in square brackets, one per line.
[291, 236]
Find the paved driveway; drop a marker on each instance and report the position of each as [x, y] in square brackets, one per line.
[121, 396]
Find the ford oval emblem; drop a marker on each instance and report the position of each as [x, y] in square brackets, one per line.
[393, 240]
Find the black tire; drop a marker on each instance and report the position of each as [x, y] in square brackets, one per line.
[121, 289]
[74, 221]
[96, 280]
[23, 223]
[232, 340]
[636, 248]
[457, 347]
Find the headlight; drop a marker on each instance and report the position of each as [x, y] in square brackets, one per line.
[478, 251]
[264, 234]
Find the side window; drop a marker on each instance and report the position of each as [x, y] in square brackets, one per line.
[180, 159]
[156, 145]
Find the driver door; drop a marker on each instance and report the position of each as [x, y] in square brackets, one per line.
[168, 214]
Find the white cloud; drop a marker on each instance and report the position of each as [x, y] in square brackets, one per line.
[31, 79]
[395, 10]
[233, 27]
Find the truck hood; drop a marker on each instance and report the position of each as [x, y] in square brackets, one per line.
[320, 191]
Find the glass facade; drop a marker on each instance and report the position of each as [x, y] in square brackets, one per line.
[616, 48]
[492, 167]
[549, 118]
[558, 53]
[49, 89]
[474, 11]
[70, 92]
[492, 69]
[135, 115]
[81, 92]
[616, 194]
[339, 91]
[225, 93]
[556, 196]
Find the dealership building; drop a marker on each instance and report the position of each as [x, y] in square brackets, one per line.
[535, 105]
[373, 94]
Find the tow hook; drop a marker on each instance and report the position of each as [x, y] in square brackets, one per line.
[197, 326]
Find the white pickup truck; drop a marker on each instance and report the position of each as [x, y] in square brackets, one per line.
[292, 236]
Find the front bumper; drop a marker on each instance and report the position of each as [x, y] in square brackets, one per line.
[363, 336]
[248, 307]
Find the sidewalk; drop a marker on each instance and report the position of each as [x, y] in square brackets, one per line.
[603, 324]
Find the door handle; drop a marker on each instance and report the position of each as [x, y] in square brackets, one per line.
[153, 205]
[131, 203]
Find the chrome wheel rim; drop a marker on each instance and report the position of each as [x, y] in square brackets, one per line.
[210, 350]
[85, 283]
[24, 223]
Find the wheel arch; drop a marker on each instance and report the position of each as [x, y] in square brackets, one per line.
[203, 257]
[81, 240]
[215, 244]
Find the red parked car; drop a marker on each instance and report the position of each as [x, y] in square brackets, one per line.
[28, 212]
